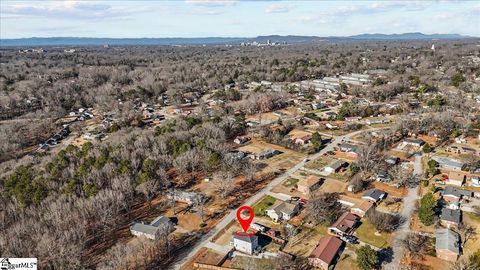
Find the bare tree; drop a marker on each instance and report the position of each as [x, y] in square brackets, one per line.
[324, 207]
[384, 222]
[149, 189]
[467, 232]
[367, 158]
[358, 184]
[417, 245]
[224, 181]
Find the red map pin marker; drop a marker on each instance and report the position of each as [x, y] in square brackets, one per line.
[245, 223]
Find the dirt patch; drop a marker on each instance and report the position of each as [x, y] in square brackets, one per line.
[431, 263]
[333, 185]
[304, 243]
[287, 159]
[473, 244]
[392, 191]
[206, 256]
[417, 225]
[225, 236]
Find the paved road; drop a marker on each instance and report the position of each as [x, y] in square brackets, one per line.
[203, 241]
[408, 205]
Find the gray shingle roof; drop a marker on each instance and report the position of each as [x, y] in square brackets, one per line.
[144, 228]
[159, 221]
[285, 207]
[448, 240]
[374, 193]
[151, 228]
[415, 141]
[443, 161]
[337, 164]
[449, 190]
[451, 215]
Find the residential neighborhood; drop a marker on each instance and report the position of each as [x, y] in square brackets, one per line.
[186, 135]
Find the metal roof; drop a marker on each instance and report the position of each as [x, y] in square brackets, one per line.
[447, 239]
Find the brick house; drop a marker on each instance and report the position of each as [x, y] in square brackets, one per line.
[447, 245]
[325, 253]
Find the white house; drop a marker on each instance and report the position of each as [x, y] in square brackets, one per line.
[152, 229]
[475, 181]
[282, 211]
[244, 242]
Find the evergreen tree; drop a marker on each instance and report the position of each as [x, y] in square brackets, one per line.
[426, 213]
[427, 148]
[316, 141]
[367, 258]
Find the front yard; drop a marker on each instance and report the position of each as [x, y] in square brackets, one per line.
[263, 205]
[290, 182]
[366, 233]
[319, 163]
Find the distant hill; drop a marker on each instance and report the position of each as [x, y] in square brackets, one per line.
[72, 41]
[407, 36]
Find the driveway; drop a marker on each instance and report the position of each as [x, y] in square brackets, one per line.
[402, 232]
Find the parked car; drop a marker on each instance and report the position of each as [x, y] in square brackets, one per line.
[439, 182]
[349, 239]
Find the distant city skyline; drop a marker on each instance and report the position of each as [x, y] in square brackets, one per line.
[229, 18]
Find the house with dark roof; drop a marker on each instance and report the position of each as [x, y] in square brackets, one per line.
[266, 154]
[152, 229]
[447, 245]
[414, 142]
[450, 218]
[241, 139]
[326, 252]
[392, 160]
[452, 194]
[374, 195]
[245, 242]
[336, 166]
[348, 148]
[345, 224]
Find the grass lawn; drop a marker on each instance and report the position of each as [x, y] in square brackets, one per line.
[290, 182]
[346, 262]
[265, 203]
[318, 163]
[343, 176]
[366, 233]
[473, 244]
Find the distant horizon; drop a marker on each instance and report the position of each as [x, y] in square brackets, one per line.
[233, 18]
[242, 37]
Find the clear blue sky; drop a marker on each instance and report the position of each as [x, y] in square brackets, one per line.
[230, 18]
